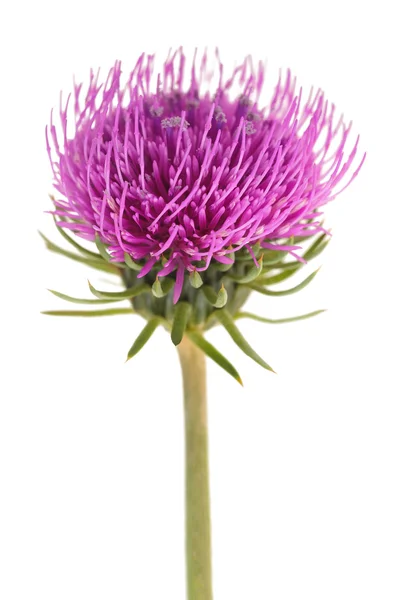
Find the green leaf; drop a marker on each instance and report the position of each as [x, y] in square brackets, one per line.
[226, 320]
[214, 354]
[195, 279]
[182, 312]
[99, 264]
[102, 248]
[247, 315]
[73, 242]
[143, 336]
[80, 300]
[293, 290]
[161, 287]
[129, 262]
[252, 273]
[89, 313]
[217, 300]
[131, 292]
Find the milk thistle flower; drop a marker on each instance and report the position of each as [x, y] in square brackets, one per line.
[195, 195]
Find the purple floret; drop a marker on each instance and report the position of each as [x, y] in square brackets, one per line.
[182, 176]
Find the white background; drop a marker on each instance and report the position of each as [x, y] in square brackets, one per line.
[306, 465]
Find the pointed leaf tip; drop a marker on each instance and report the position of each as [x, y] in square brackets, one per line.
[81, 300]
[297, 288]
[143, 337]
[98, 263]
[210, 351]
[162, 286]
[252, 273]
[228, 323]
[88, 313]
[248, 315]
[217, 300]
[195, 279]
[127, 294]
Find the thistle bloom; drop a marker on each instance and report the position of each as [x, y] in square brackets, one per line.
[176, 178]
[195, 197]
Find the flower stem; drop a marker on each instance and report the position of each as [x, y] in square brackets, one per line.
[198, 545]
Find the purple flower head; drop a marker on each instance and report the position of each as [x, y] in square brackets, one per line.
[178, 177]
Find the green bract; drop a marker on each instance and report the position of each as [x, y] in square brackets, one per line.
[208, 298]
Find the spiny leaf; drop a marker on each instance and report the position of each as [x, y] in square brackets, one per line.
[252, 273]
[293, 290]
[99, 264]
[162, 286]
[182, 312]
[89, 313]
[217, 300]
[247, 315]
[143, 336]
[131, 292]
[102, 248]
[129, 262]
[195, 279]
[226, 320]
[214, 354]
[81, 300]
[73, 242]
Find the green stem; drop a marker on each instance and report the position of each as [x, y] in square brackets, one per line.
[198, 545]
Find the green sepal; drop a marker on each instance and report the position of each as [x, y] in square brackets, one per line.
[223, 267]
[161, 287]
[182, 312]
[195, 279]
[99, 264]
[129, 262]
[73, 242]
[252, 273]
[81, 300]
[293, 290]
[228, 323]
[143, 337]
[214, 354]
[89, 313]
[274, 257]
[131, 292]
[244, 255]
[247, 315]
[217, 300]
[102, 248]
